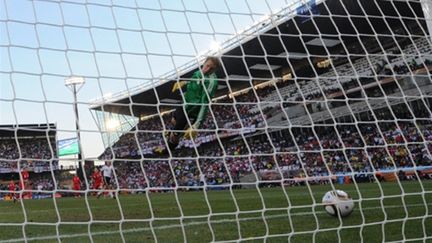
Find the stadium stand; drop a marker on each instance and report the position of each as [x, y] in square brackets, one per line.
[234, 112]
[34, 149]
[288, 119]
[290, 162]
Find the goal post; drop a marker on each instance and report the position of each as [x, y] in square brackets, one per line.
[216, 121]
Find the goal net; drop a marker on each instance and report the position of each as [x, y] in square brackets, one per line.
[216, 121]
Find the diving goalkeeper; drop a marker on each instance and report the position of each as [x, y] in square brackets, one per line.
[199, 92]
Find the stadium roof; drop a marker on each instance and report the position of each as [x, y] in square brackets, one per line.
[27, 130]
[288, 41]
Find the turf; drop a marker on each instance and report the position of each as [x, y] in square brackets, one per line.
[384, 212]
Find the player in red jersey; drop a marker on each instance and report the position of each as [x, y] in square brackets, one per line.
[12, 190]
[24, 181]
[76, 185]
[97, 181]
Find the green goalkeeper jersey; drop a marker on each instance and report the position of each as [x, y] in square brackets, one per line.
[199, 91]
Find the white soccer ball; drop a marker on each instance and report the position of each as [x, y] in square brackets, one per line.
[338, 203]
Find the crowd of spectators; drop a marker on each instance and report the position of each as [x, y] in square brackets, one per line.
[37, 182]
[42, 183]
[33, 154]
[320, 153]
[312, 152]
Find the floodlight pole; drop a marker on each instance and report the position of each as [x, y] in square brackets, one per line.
[72, 84]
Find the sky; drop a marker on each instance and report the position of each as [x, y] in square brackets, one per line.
[114, 47]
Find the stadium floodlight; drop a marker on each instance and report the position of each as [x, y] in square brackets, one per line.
[72, 84]
[74, 81]
[112, 124]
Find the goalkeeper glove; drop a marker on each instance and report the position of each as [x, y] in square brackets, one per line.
[191, 132]
[178, 85]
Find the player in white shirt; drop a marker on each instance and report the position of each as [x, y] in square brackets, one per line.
[107, 173]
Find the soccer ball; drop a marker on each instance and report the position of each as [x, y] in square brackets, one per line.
[337, 202]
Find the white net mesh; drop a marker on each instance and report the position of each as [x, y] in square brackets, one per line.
[309, 97]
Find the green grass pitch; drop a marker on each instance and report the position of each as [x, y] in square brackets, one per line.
[389, 212]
